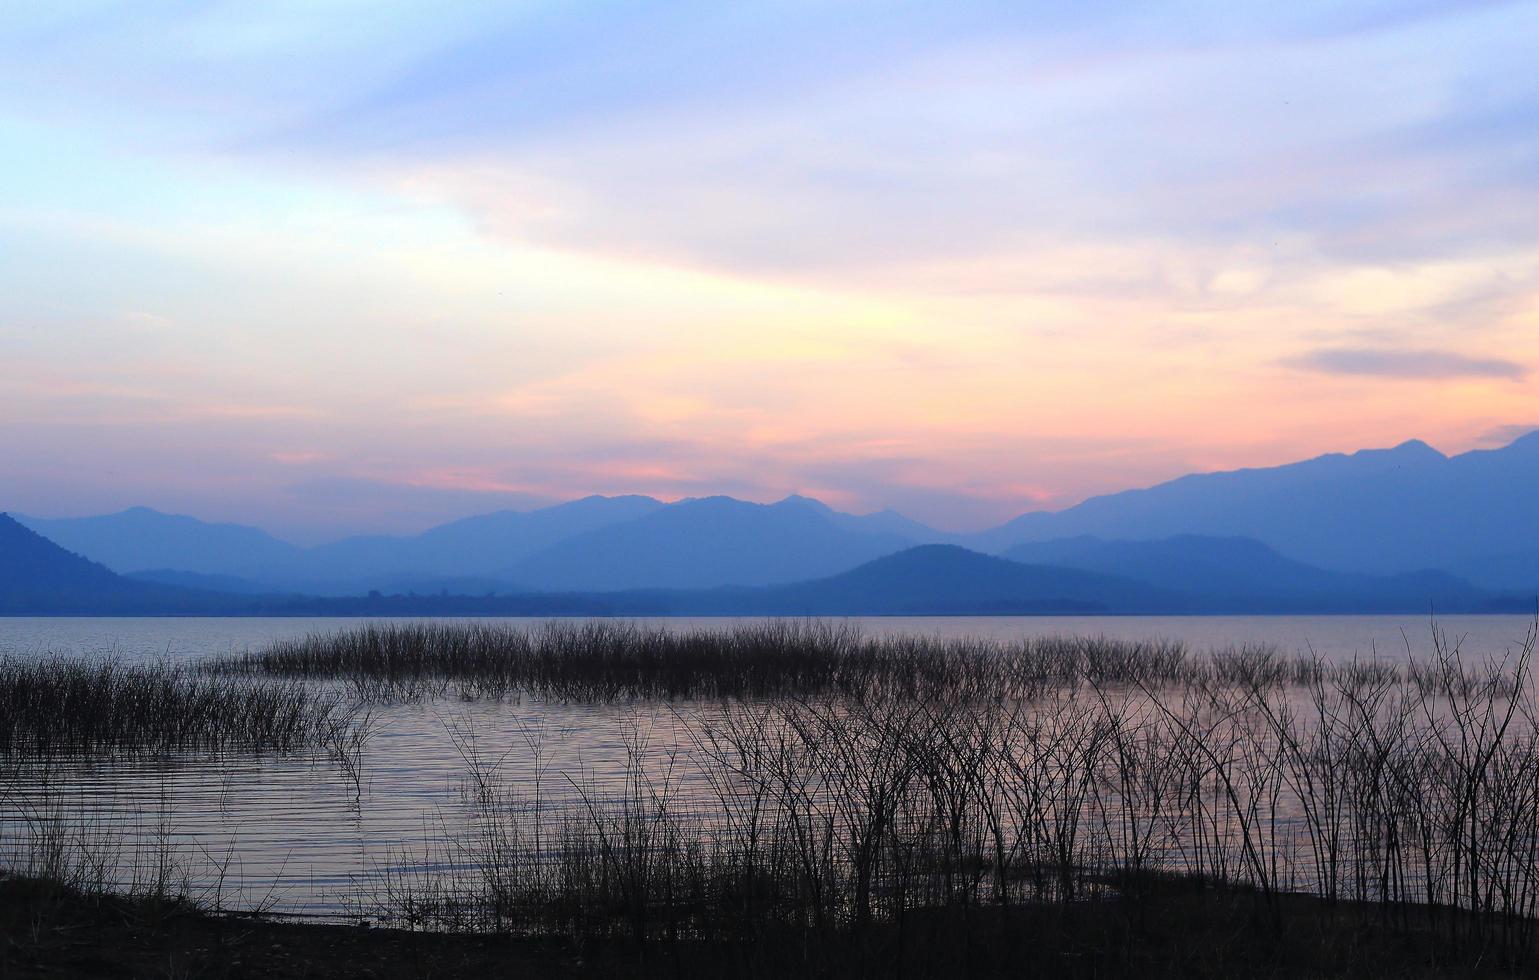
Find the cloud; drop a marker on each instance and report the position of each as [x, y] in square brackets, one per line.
[1408, 364]
[486, 250]
[298, 457]
[994, 141]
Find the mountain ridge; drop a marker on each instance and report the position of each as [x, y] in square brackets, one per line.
[705, 542]
[1374, 511]
[37, 577]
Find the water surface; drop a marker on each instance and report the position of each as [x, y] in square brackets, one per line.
[296, 832]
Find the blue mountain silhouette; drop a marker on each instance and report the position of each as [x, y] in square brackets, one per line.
[938, 579]
[37, 577]
[1379, 511]
[703, 543]
[1388, 512]
[140, 538]
[1245, 573]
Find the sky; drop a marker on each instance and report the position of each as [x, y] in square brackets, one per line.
[330, 266]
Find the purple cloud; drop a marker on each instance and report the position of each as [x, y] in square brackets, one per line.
[1409, 364]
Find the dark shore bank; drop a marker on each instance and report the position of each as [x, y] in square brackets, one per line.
[1170, 928]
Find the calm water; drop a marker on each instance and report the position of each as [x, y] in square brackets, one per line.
[297, 832]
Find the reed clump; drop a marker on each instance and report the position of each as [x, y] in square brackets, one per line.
[66, 706]
[1413, 802]
[832, 790]
[598, 661]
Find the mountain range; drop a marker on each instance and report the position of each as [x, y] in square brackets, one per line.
[1373, 529]
[1378, 511]
[37, 577]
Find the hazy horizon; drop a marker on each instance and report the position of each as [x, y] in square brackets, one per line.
[525, 504]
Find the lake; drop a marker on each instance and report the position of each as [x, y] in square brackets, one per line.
[298, 834]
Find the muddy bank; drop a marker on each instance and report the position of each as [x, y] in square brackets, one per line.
[1174, 928]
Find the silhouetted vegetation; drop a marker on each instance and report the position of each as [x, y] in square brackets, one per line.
[617, 660]
[842, 816]
[63, 706]
[832, 803]
[1174, 928]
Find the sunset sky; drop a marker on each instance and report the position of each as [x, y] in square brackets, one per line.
[329, 267]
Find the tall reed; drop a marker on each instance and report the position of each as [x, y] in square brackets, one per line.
[839, 813]
[615, 660]
[90, 707]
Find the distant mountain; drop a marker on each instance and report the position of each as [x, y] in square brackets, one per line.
[1381, 512]
[704, 543]
[1378, 511]
[1246, 573]
[920, 581]
[881, 522]
[37, 577]
[34, 565]
[1514, 571]
[203, 581]
[468, 553]
[405, 584]
[140, 538]
[940, 579]
[480, 546]
[143, 539]
[951, 580]
[474, 555]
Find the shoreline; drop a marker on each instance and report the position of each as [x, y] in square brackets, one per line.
[1171, 928]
